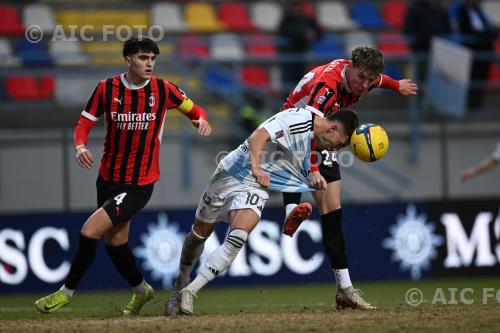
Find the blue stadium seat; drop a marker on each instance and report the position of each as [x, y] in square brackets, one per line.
[329, 46]
[32, 54]
[367, 15]
[221, 81]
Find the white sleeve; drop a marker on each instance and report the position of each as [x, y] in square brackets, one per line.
[274, 129]
[496, 153]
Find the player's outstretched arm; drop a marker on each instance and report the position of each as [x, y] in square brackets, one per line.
[256, 144]
[407, 87]
[473, 171]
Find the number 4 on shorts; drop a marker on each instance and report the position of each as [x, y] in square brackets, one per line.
[119, 198]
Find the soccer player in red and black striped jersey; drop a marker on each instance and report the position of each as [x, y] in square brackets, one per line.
[327, 88]
[133, 105]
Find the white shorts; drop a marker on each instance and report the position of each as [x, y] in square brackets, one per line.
[225, 193]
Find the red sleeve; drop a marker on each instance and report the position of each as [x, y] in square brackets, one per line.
[387, 82]
[177, 99]
[314, 157]
[196, 113]
[82, 130]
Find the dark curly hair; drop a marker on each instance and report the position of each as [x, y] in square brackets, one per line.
[347, 117]
[134, 45]
[368, 58]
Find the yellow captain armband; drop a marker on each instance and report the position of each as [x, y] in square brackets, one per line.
[186, 105]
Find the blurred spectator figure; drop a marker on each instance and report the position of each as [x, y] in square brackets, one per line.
[478, 34]
[298, 31]
[486, 164]
[425, 19]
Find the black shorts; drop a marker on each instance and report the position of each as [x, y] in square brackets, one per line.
[121, 201]
[328, 166]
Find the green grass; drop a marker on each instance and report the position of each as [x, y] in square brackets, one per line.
[281, 306]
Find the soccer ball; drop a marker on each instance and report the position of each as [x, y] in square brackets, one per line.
[369, 142]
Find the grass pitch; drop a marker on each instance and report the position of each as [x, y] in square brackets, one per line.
[461, 305]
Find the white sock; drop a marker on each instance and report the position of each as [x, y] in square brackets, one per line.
[140, 288]
[68, 292]
[220, 259]
[342, 278]
[289, 208]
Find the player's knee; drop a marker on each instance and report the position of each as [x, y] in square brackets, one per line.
[202, 229]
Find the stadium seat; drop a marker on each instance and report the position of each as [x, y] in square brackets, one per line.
[40, 15]
[104, 53]
[67, 53]
[22, 88]
[394, 13]
[357, 38]
[497, 46]
[169, 16]
[394, 72]
[328, 46]
[226, 46]
[192, 46]
[7, 58]
[201, 16]
[99, 18]
[220, 81]
[367, 15]
[266, 15]
[75, 90]
[393, 43]
[260, 45]
[32, 54]
[10, 22]
[492, 8]
[255, 76]
[333, 15]
[46, 87]
[235, 16]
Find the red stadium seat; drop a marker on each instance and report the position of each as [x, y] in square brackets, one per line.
[25, 88]
[255, 76]
[47, 87]
[192, 46]
[235, 16]
[394, 13]
[393, 43]
[22, 88]
[10, 22]
[260, 45]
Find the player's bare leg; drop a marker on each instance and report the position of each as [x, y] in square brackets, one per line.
[328, 203]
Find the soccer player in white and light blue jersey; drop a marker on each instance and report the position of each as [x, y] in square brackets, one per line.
[275, 157]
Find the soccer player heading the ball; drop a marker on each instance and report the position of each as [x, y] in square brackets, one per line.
[237, 191]
[325, 89]
[133, 105]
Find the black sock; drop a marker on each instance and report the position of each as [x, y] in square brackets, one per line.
[291, 198]
[333, 239]
[124, 262]
[84, 256]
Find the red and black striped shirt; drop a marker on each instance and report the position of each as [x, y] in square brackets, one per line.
[134, 118]
[325, 88]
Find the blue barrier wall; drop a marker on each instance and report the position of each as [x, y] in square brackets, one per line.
[385, 242]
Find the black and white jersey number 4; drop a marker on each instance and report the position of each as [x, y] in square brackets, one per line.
[119, 198]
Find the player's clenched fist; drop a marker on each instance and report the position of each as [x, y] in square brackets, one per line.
[262, 177]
